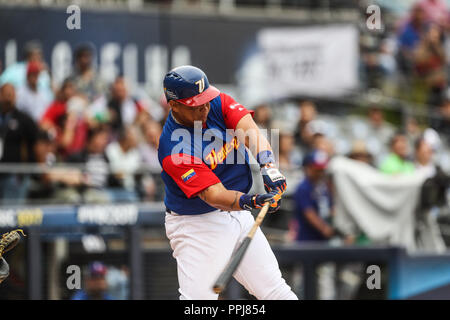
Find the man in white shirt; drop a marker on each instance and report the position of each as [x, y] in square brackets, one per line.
[31, 99]
[124, 157]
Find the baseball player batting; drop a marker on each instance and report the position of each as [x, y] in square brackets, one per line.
[207, 181]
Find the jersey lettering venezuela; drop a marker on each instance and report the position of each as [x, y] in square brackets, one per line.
[206, 156]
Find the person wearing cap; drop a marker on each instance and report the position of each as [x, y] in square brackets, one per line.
[313, 201]
[313, 213]
[207, 177]
[95, 284]
[359, 152]
[30, 98]
[16, 74]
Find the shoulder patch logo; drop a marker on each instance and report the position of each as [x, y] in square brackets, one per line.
[188, 175]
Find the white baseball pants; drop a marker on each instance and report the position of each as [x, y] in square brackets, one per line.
[203, 244]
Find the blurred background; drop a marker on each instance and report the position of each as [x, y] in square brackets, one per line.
[363, 82]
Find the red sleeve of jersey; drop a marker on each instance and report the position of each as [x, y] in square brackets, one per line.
[189, 173]
[232, 111]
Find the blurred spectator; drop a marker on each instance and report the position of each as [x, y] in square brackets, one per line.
[125, 160]
[313, 200]
[286, 149]
[303, 134]
[40, 184]
[441, 121]
[377, 135]
[320, 142]
[84, 77]
[386, 57]
[166, 109]
[118, 282]
[409, 37]
[95, 284]
[424, 158]
[313, 215]
[30, 98]
[149, 154]
[371, 67]
[96, 178]
[412, 130]
[359, 152]
[379, 128]
[433, 139]
[18, 131]
[263, 116]
[43, 185]
[66, 120]
[435, 11]
[149, 147]
[17, 138]
[397, 161]
[16, 74]
[430, 65]
[44, 148]
[121, 109]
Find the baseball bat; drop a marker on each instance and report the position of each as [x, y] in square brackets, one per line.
[228, 271]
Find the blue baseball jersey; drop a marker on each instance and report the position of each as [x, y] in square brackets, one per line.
[193, 159]
[315, 197]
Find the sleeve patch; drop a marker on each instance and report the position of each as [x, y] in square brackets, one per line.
[189, 175]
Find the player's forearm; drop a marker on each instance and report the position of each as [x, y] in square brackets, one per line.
[221, 198]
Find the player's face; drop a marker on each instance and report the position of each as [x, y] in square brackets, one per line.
[188, 115]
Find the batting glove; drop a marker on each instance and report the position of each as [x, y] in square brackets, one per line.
[272, 177]
[257, 201]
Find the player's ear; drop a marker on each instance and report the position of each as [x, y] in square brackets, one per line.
[173, 105]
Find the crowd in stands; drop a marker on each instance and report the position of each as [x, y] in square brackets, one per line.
[308, 147]
[409, 58]
[114, 135]
[406, 62]
[109, 136]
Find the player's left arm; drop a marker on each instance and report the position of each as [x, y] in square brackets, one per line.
[248, 132]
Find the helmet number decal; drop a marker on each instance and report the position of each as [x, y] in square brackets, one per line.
[201, 85]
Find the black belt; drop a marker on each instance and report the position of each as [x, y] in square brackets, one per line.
[170, 211]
